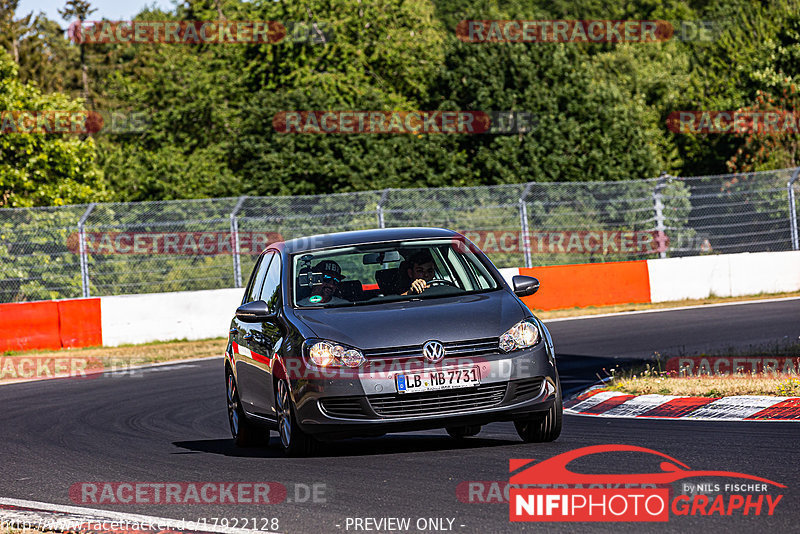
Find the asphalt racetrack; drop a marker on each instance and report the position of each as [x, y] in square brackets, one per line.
[168, 424]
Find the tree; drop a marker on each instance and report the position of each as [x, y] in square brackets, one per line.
[778, 147]
[12, 30]
[777, 76]
[376, 55]
[43, 169]
[48, 60]
[191, 94]
[80, 10]
[588, 126]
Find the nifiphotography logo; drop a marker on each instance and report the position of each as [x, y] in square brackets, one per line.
[575, 496]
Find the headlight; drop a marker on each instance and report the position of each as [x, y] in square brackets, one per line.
[332, 354]
[522, 335]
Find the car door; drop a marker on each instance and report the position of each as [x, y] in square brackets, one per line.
[267, 338]
[243, 333]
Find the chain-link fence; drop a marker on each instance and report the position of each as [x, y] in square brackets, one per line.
[119, 248]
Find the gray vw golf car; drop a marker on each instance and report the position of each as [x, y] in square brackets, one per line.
[364, 333]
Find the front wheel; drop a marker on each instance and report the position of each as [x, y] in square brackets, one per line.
[243, 431]
[294, 441]
[542, 427]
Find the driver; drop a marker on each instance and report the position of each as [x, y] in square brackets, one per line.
[421, 271]
[325, 291]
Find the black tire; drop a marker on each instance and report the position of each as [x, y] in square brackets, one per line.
[293, 440]
[461, 432]
[542, 427]
[243, 431]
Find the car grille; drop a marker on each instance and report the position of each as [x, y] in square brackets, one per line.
[453, 349]
[438, 402]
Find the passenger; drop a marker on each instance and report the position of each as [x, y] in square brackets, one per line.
[421, 271]
[325, 291]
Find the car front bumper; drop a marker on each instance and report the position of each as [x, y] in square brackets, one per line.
[367, 403]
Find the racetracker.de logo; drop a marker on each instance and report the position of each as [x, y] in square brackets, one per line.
[382, 122]
[642, 504]
[63, 122]
[404, 122]
[564, 31]
[177, 493]
[569, 241]
[584, 31]
[778, 122]
[733, 365]
[19, 368]
[449, 372]
[177, 32]
[189, 243]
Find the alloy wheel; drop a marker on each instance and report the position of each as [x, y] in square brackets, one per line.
[233, 405]
[284, 414]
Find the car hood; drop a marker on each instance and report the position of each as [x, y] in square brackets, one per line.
[415, 322]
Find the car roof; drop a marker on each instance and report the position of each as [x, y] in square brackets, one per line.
[363, 237]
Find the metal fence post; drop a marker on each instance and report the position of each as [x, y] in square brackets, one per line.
[793, 210]
[659, 207]
[523, 218]
[83, 253]
[237, 266]
[379, 210]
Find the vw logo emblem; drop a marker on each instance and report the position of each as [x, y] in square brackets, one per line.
[433, 351]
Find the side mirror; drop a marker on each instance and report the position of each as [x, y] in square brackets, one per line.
[525, 285]
[254, 312]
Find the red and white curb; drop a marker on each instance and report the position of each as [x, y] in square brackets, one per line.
[18, 514]
[600, 402]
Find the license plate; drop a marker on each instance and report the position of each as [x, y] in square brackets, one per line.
[438, 379]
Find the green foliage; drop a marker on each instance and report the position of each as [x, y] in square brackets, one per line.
[599, 111]
[588, 128]
[47, 60]
[12, 29]
[43, 169]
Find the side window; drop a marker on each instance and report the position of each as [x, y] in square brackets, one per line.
[444, 267]
[254, 289]
[271, 292]
[463, 276]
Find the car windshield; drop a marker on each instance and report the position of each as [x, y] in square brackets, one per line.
[376, 273]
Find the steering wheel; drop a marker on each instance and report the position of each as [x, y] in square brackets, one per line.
[441, 282]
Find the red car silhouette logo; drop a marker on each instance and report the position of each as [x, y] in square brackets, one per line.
[554, 470]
